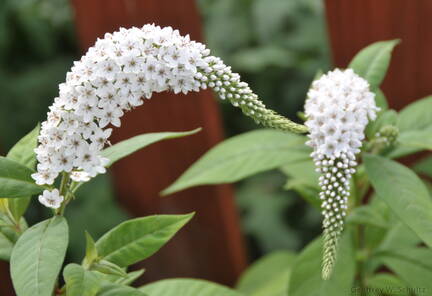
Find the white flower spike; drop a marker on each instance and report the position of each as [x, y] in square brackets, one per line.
[117, 74]
[338, 108]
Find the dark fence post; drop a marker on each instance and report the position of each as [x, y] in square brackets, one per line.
[211, 246]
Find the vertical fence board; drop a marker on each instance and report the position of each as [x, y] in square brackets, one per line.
[211, 246]
[356, 23]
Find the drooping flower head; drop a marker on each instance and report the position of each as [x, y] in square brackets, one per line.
[338, 108]
[117, 74]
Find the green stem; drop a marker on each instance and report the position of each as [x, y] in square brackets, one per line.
[360, 190]
[64, 191]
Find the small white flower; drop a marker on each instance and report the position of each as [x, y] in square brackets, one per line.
[108, 69]
[78, 176]
[44, 176]
[51, 199]
[111, 115]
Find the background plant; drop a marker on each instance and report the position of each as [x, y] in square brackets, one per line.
[386, 242]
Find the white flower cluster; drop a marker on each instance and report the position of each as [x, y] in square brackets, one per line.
[338, 108]
[113, 76]
[117, 74]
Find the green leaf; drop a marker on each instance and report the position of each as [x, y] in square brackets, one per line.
[8, 236]
[16, 180]
[403, 192]
[388, 117]
[381, 100]
[416, 116]
[106, 267]
[124, 279]
[303, 179]
[23, 152]
[372, 62]
[306, 273]
[38, 256]
[399, 236]
[137, 239]
[303, 171]
[129, 146]
[80, 282]
[418, 140]
[187, 287]
[424, 166]
[130, 277]
[119, 290]
[6, 245]
[242, 156]
[384, 282]
[367, 215]
[268, 276]
[415, 125]
[91, 251]
[413, 266]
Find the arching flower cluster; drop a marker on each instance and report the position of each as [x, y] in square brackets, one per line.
[338, 108]
[117, 74]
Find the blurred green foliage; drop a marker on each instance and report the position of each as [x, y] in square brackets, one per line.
[276, 45]
[37, 47]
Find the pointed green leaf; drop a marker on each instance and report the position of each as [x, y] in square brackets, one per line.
[372, 62]
[91, 251]
[424, 166]
[399, 236]
[415, 125]
[306, 278]
[38, 256]
[381, 100]
[23, 152]
[8, 236]
[6, 246]
[16, 180]
[242, 156]
[385, 282]
[416, 116]
[80, 282]
[387, 117]
[413, 266]
[129, 146]
[367, 215]
[268, 276]
[106, 267]
[418, 140]
[120, 290]
[137, 239]
[130, 277]
[403, 192]
[187, 287]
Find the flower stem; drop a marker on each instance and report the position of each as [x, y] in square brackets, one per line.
[64, 191]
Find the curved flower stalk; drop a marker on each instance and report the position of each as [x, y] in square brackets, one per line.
[117, 74]
[338, 108]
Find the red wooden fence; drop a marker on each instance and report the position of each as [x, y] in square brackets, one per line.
[354, 24]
